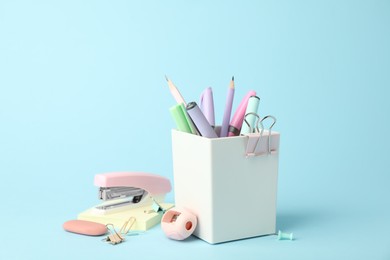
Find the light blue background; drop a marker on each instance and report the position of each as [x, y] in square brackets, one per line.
[82, 91]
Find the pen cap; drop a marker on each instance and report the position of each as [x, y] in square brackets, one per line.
[200, 121]
[178, 114]
[238, 117]
[188, 119]
[253, 105]
[206, 104]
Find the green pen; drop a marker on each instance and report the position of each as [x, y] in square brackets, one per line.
[180, 116]
[189, 120]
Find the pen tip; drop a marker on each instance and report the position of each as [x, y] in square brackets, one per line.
[233, 78]
[166, 78]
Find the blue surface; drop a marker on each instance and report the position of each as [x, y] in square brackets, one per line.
[82, 91]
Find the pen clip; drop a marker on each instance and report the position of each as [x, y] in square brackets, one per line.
[206, 105]
[201, 98]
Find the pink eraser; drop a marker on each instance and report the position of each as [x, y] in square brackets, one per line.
[84, 227]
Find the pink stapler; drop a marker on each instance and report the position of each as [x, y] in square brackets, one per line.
[126, 190]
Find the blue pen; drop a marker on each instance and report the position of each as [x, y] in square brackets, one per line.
[249, 119]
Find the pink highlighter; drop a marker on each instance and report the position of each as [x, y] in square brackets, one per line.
[238, 118]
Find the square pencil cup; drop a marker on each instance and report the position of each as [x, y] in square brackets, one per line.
[230, 190]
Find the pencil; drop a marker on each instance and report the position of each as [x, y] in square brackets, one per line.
[175, 92]
[228, 109]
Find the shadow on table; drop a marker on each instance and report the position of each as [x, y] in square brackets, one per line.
[291, 220]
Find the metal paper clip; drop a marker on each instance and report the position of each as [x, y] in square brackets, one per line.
[269, 131]
[127, 226]
[113, 238]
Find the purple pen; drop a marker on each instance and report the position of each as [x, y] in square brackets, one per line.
[206, 104]
[200, 121]
[228, 110]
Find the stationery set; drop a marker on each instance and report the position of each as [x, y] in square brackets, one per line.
[225, 178]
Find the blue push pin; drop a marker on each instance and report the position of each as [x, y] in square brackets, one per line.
[285, 236]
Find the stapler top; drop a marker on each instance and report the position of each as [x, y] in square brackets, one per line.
[154, 184]
[133, 187]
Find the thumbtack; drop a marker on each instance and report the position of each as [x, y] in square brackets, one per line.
[285, 236]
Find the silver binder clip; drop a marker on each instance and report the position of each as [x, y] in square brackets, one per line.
[254, 136]
[253, 129]
[255, 145]
[269, 131]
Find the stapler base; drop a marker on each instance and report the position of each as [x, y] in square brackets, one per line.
[144, 219]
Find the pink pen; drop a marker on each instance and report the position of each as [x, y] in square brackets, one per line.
[238, 118]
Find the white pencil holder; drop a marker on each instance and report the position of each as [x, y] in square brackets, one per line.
[231, 190]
